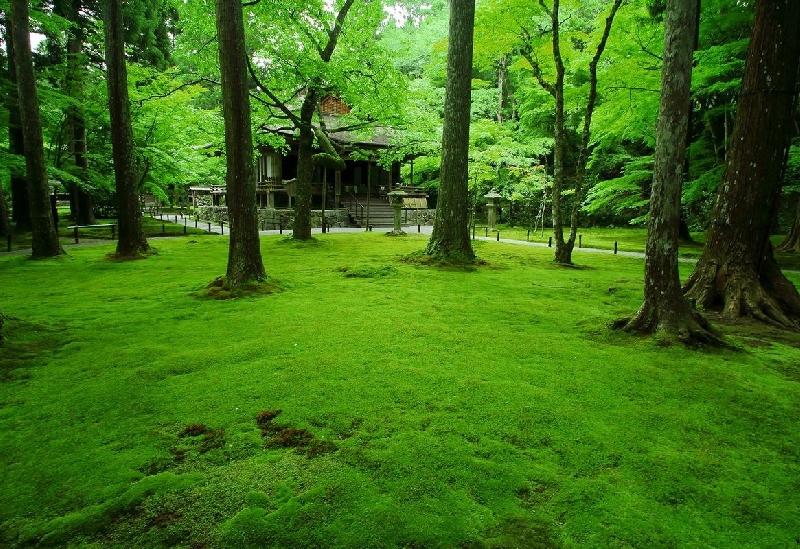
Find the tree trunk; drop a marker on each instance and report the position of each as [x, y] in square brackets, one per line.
[792, 241]
[502, 79]
[305, 169]
[44, 237]
[563, 251]
[450, 238]
[737, 273]
[20, 202]
[132, 241]
[5, 223]
[81, 202]
[244, 254]
[665, 309]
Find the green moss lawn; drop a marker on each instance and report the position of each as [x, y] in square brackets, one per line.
[373, 403]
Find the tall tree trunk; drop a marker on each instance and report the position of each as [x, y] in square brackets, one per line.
[792, 241]
[563, 253]
[44, 237]
[244, 254]
[305, 169]
[665, 309]
[81, 202]
[450, 238]
[737, 273]
[5, 222]
[502, 79]
[132, 241]
[583, 151]
[20, 202]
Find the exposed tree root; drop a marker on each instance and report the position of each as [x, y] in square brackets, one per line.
[737, 291]
[683, 325]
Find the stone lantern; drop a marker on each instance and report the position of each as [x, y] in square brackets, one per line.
[492, 202]
[396, 201]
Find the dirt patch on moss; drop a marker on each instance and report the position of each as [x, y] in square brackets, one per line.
[367, 271]
[422, 259]
[302, 441]
[219, 289]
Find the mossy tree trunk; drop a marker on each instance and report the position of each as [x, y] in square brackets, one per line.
[737, 273]
[244, 254]
[44, 237]
[665, 309]
[132, 241]
[20, 202]
[450, 238]
[305, 168]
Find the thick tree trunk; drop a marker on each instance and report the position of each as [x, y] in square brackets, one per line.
[20, 202]
[792, 241]
[737, 274]
[132, 241]
[450, 238]
[44, 237]
[665, 309]
[305, 169]
[244, 255]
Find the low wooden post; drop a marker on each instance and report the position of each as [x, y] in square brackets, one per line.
[163, 229]
[222, 227]
[76, 234]
[498, 236]
[209, 227]
[580, 241]
[615, 246]
[550, 242]
[529, 235]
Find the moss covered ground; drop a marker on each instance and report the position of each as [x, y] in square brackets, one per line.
[374, 402]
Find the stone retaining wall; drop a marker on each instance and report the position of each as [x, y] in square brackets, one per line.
[270, 218]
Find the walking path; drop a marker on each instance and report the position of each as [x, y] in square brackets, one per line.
[424, 229]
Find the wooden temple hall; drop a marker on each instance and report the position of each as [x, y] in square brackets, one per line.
[276, 172]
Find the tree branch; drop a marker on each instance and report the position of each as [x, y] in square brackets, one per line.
[277, 103]
[179, 88]
[333, 34]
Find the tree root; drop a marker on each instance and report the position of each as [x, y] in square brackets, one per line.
[680, 324]
[738, 291]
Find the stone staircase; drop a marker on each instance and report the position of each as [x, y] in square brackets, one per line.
[381, 214]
